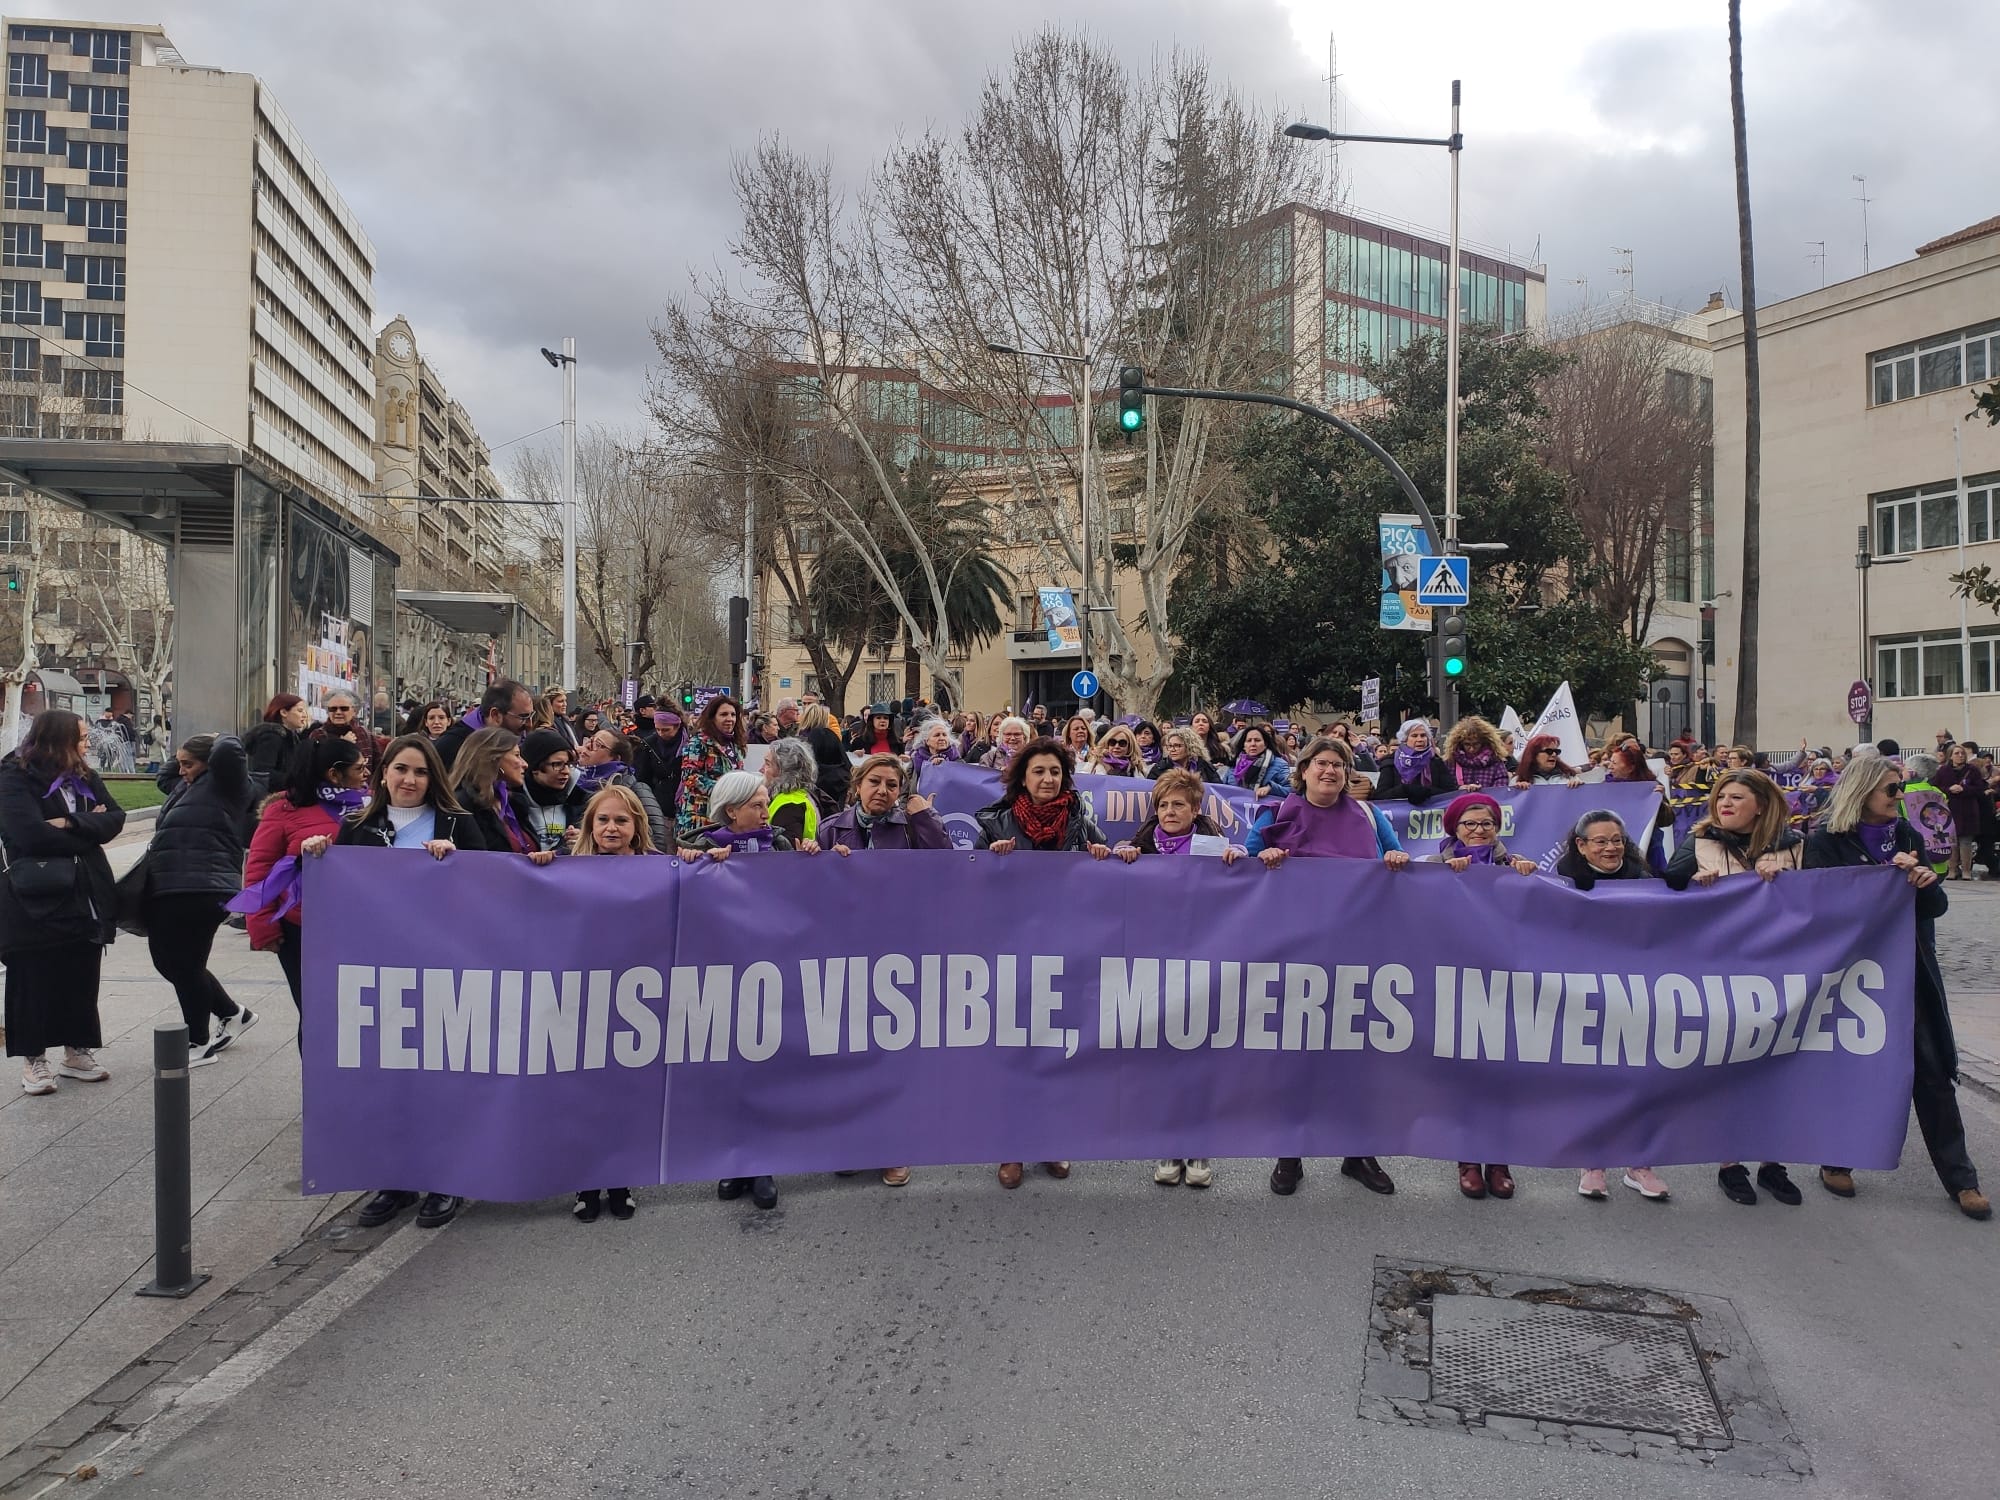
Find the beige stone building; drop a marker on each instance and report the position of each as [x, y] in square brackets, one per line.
[1868, 441]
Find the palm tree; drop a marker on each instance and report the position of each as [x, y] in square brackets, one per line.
[955, 528]
[1750, 586]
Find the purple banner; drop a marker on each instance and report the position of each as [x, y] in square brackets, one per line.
[1535, 822]
[488, 1027]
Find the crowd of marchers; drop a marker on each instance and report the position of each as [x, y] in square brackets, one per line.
[527, 776]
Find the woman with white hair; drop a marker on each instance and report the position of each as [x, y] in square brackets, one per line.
[1414, 772]
[739, 806]
[1010, 737]
[791, 776]
[1864, 827]
[1181, 750]
[934, 743]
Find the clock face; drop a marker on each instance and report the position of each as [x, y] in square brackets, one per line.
[400, 345]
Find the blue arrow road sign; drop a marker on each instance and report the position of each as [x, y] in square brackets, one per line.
[1444, 580]
[1084, 685]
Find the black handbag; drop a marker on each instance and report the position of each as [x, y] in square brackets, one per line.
[41, 883]
[131, 889]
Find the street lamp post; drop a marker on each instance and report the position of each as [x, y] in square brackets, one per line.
[566, 362]
[1088, 360]
[1703, 648]
[1864, 559]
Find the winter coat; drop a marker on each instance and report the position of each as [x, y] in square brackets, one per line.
[781, 842]
[1268, 770]
[1723, 852]
[996, 822]
[1824, 851]
[1202, 768]
[272, 750]
[1146, 840]
[198, 842]
[1438, 780]
[835, 770]
[546, 828]
[895, 829]
[456, 733]
[88, 914]
[1964, 788]
[493, 832]
[656, 764]
[282, 830]
[460, 829]
[364, 741]
[703, 763]
[1583, 874]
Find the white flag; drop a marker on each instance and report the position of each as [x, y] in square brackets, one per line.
[1510, 725]
[1560, 719]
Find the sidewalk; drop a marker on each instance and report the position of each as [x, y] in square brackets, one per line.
[76, 1182]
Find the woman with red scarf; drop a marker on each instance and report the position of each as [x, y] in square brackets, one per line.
[1039, 809]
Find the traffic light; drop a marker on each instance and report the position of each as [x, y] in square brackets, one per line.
[687, 697]
[13, 581]
[739, 629]
[1131, 403]
[1451, 644]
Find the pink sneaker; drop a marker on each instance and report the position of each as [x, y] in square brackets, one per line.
[1647, 1183]
[1591, 1185]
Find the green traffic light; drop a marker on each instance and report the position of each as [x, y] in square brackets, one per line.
[1131, 419]
[1454, 666]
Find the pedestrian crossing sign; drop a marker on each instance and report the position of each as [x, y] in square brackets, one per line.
[1444, 580]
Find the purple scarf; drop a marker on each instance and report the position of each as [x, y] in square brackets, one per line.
[343, 802]
[595, 778]
[1481, 769]
[1244, 763]
[762, 840]
[1172, 843]
[1118, 765]
[1479, 854]
[1344, 831]
[1412, 766]
[923, 756]
[75, 785]
[472, 720]
[281, 886]
[511, 821]
[1878, 840]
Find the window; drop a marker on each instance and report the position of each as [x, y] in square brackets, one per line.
[27, 130]
[1937, 664]
[1271, 265]
[14, 531]
[1917, 520]
[19, 417]
[102, 392]
[103, 218]
[109, 107]
[24, 188]
[20, 359]
[21, 300]
[1678, 558]
[1123, 520]
[27, 75]
[20, 244]
[103, 160]
[1942, 363]
[883, 687]
[1027, 612]
[103, 276]
[110, 51]
[102, 334]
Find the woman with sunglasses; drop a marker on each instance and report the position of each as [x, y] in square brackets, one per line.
[1542, 764]
[1117, 754]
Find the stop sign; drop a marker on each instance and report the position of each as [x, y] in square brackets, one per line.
[1860, 703]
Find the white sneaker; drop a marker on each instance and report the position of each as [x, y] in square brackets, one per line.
[208, 1052]
[81, 1062]
[1199, 1172]
[241, 1022]
[1168, 1172]
[37, 1077]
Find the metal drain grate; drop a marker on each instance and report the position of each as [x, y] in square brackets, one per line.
[1570, 1364]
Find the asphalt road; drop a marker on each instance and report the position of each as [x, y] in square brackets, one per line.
[1099, 1337]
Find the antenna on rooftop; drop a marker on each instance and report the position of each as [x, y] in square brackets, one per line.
[1623, 268]
[1864, 200]
[1819, 254]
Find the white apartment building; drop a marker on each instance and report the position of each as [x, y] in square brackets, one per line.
[1870, 447]
[175, 264]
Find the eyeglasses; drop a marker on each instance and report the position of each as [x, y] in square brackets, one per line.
[1548, 752]
[1618, 843]
[1893, 786]
[1468, 825]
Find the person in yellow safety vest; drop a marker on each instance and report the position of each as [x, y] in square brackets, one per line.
[792, 775]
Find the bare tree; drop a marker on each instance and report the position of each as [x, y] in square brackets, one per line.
[1633, 448]
[1749, 588]
[644, 578]
[1084, 210]
[124, 589]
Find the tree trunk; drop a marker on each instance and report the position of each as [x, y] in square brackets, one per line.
[1748, 589]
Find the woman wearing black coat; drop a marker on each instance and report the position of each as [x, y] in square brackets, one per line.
[272, 744]
[53, 808]
[1864, 827]
[193, 865]
[836, 771]
[1414, 772]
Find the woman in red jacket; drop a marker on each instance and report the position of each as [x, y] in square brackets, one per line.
[329, 781]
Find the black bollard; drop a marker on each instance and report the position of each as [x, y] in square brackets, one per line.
[173, 1168]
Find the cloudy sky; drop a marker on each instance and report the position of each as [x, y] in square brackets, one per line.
[533, 170]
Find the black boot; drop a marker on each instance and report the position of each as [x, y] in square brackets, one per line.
[587, 1207]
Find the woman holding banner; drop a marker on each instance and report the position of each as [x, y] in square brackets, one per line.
[1322, 821]
[1039, 809]
[1600, 849]
[1413, 772]
[489, 777]
[881, 817]
[1747, 832]
[327, 784]
[739, 819]
[1863, 827]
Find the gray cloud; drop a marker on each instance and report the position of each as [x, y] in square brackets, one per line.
[529, 170]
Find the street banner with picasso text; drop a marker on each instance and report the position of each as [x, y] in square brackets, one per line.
[484, 1026]
[1535, 822]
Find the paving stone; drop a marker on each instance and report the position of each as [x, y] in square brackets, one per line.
[23, 1460]
[123, 1386]
[28, 1484]
[70, 1426]
[268, 1279]
[182, 1342]
[204, 1359]
[247, 1324]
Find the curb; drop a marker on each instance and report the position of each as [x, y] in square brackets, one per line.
[70, 1448]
